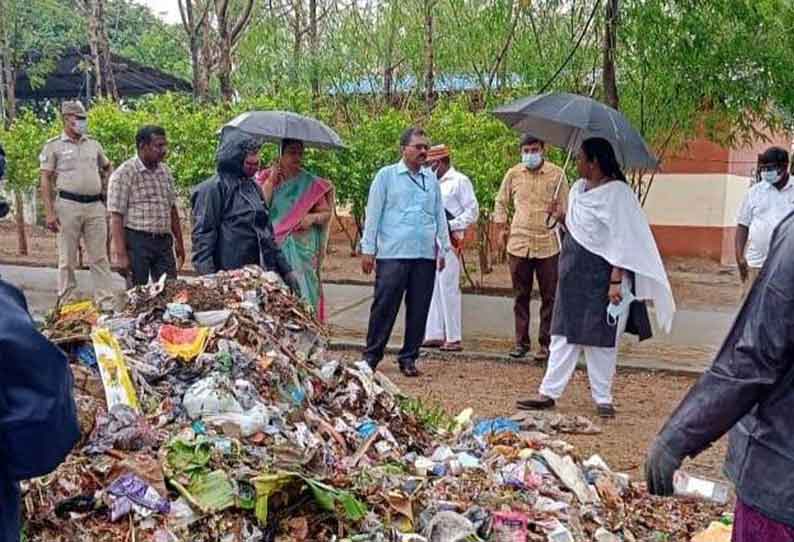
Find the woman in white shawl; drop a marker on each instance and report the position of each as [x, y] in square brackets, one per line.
[609, 258]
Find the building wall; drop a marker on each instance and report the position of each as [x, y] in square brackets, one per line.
[694, 201]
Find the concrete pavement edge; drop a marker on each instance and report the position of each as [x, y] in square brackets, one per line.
[471, 356]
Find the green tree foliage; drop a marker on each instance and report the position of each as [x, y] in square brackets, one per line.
[22, 142]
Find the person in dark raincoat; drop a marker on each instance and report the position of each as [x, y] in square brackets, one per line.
[38, 421]
[747, 390]
[231, 223]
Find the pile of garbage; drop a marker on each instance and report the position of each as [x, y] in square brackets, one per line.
[212, 411]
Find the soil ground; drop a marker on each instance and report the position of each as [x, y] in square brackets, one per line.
[697, 284]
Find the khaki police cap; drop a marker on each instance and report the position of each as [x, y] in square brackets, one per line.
[73, 108]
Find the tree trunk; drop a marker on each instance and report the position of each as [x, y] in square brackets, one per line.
[429, 56]
[192, 23]
[224, 56]
[19, 215]
[230, 31]
[206, 59]
[314, 43]
[93, 42]
[103, 48]
[610, 41]
[8, 75]
[297, 44]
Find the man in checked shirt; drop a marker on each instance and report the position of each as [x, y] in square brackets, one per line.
[144, 219]
[529, 189]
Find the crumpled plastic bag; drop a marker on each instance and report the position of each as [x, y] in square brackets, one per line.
[449, 526]
[130, 493]
[252, 421]
[210, 396]
[122, 429]
[184, 343]
[219, 402]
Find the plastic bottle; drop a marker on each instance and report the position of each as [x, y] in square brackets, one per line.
[686, 485]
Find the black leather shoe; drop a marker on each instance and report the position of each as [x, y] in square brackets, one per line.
[540, 403]
[605, 410]
[408, 368]
[519, 352]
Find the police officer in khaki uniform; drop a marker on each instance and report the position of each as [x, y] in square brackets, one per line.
[76, 166]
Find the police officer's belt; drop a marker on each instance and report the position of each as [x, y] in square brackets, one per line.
[80, 198]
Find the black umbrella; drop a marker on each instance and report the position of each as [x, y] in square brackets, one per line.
[565, 120]
[276, 126]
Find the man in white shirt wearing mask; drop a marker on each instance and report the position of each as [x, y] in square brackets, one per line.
[766, 204]
[443, 328]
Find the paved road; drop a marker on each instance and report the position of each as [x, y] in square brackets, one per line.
[485, 317]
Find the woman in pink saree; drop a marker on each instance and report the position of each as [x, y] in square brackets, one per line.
[300, 208]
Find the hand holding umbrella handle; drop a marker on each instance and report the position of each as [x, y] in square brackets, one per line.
[552, 220]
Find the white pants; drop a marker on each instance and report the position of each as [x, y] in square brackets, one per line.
[444, 319]
[601, 364]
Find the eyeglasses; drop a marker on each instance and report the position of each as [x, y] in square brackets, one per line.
[420, 147]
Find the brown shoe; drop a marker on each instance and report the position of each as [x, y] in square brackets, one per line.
[451, 347]
[432, 344]
[542, 354]
[541, 402]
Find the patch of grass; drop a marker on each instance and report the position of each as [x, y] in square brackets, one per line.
[431, 415]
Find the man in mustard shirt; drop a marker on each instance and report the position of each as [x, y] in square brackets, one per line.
[528, 190]
[75, 166]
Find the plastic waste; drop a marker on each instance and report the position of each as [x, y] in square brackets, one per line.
[113, 370]
[212, 318]
[602, 535]
[686, 485]
[560, 534]
[178, 312]
[495, 426]
[87, 355]
[214, 400]
[510, 527]
[570, 475]
[210, 396]
[422, 466]
[468, 461]
[449, 527]
[130, 493]
[247, 423]
[184, 343]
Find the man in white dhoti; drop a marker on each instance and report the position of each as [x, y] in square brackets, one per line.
[457, 193]
[609, 258]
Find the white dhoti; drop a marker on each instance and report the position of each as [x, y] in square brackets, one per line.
[444, 319]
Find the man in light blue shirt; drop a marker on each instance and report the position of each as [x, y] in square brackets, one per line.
[405, 239]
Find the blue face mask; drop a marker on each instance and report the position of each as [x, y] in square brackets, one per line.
[532, 159]
[614, 312]
[770, 175]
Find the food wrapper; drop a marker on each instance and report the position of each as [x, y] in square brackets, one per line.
[184, 343]
[113, 370]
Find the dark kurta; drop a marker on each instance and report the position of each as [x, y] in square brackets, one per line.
[580, 306]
